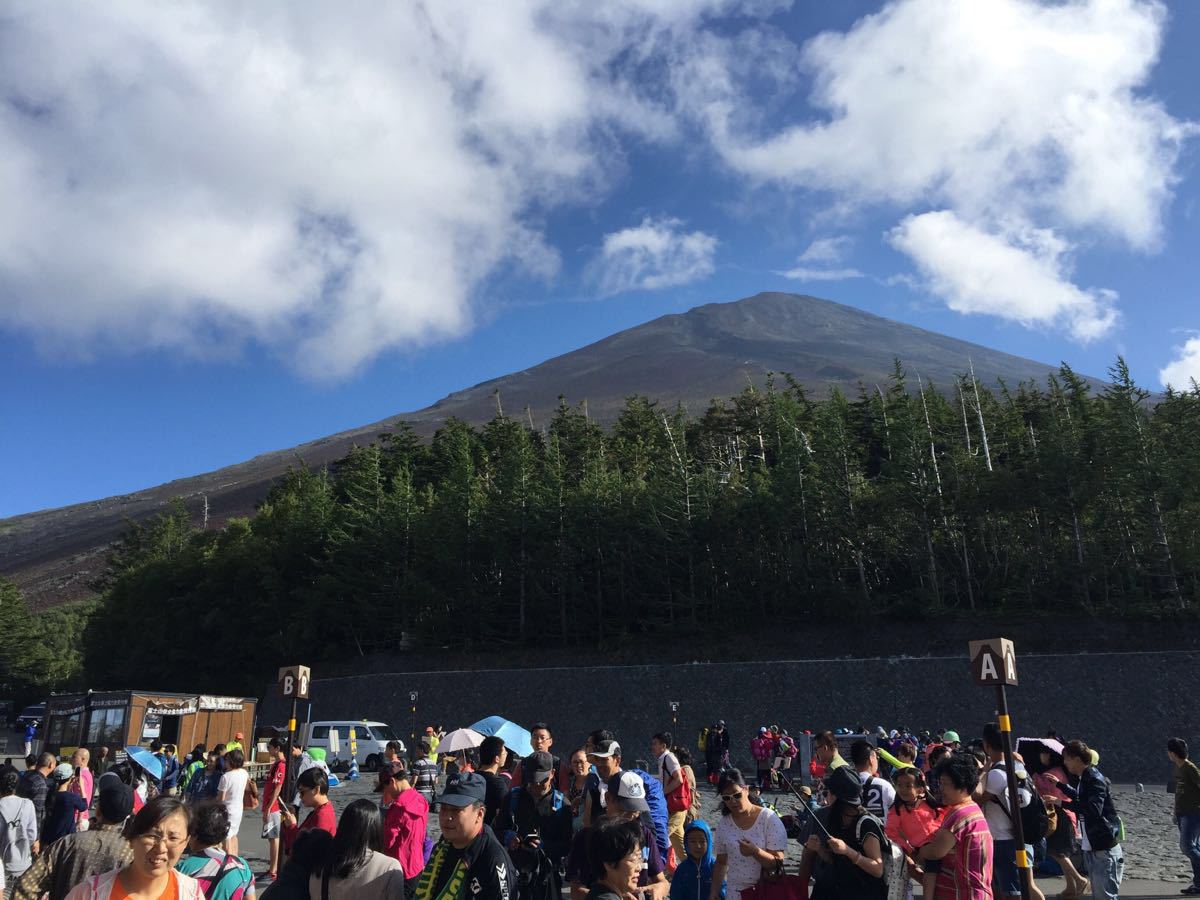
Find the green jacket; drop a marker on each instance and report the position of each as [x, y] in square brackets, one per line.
[1187, 789]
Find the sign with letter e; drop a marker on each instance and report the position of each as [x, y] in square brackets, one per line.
[994, 661]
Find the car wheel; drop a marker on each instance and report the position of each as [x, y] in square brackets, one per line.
[372, 763]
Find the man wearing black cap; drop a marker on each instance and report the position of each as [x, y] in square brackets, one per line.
[468, 863]
[716, 748]
[536, 817]
[75, 857]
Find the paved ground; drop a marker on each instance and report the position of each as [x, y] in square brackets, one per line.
[1154, 866]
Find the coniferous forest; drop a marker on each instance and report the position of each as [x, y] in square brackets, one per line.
[771, 507]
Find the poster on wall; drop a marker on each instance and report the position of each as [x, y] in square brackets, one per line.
[151, 726]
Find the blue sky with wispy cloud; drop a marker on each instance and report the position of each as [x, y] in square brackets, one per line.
[232, 228]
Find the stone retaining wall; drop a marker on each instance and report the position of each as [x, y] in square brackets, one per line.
[1124, 704]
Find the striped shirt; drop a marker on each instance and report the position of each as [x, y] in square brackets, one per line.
[966, 872]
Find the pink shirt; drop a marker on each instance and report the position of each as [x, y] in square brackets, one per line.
[404, 824]
[84, 790]
[966, 872]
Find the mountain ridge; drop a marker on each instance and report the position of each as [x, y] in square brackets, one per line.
[709, 352]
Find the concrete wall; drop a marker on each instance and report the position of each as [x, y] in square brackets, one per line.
[1124, 704]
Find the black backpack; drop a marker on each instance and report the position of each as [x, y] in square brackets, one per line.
[1035, 821]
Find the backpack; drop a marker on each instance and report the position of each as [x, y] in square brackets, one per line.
[787, 747]
[680, 799]
[657, 801]
[16, 854]
[895, 869]
[1035, 821]
[702, 741]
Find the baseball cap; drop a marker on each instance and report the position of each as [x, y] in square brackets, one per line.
[539, 766]
[762, 730]
[605, 749]
[115, 802]
[62, 772]
[843, 783]
[429, 729]
[464, 789]
[720, 723]
[238, 736]
[629, 792]
[951, 737]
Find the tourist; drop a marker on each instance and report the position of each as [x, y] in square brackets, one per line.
[826, 753]
[100, 849]
[951, 741]
[605, 756]
[31, 728]
[313, 788]
[962, 844]
[468, 863]
[693, 876]
[102, 761]
[993, 798]
[158, 835]
[231, 790]
[625, 796]
[878, 795]
[236, 744]
[675, 788]
[84, 784]
[63, 804]
[354, 867]
[424, 776]
[272, 805]
[537, 820]
[405, 823]
[616, 849]
[170, 770]
[205, 782]
[932, 786]
[1100, 826]
[762, 749]
[18, 828]
[750, 840]
[541, 739]
[785, 752]
[1063, 842]
[912, 821]
[492, 757]
[1187, 807]
[716, 751]
[850, 846]
[33, 785]
[308, 855]
[689, 774]
[222, 876]
[576, 791]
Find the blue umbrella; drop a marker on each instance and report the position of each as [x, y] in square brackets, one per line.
[145, 759]
[516, 738]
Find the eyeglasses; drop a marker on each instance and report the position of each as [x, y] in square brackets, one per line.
[157, 837]
[728, 797]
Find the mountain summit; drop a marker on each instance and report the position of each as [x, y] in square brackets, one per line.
[711, 351]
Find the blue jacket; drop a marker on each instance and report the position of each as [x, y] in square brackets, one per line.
[693, 880]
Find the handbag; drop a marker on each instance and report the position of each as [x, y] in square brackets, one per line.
[250, 795]
[776, 884]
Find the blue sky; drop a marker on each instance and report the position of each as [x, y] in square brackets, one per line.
[229, 232]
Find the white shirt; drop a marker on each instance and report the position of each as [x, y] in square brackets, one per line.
[668, 765]
[233, 787]
[767, 833]
[996, 784]
[878, 795]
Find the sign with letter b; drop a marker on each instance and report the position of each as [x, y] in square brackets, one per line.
[294, 682]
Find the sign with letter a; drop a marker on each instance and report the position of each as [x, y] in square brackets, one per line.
[994, 661]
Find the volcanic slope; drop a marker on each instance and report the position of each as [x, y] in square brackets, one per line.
[711, 351]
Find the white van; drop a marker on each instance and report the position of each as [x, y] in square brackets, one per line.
[371, 737]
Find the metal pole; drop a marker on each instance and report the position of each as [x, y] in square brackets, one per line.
[1024, 864]
[288, 788]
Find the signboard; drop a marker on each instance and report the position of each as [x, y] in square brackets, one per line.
[227, 704]
[294, 682]
[994, 661]
[173, 708]
[151, 726]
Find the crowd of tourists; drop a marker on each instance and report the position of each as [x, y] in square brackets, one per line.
[904, 811]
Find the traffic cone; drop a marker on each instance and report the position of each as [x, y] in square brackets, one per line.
[353, 774]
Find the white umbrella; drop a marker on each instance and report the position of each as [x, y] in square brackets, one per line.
[459, 739]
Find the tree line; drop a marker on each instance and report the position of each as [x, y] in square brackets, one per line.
[771, 509]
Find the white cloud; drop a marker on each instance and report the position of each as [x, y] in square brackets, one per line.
[1184, 369]
[1022, 275]
[329, 182]
[1001, 111]
[655, 254]
[819, 261]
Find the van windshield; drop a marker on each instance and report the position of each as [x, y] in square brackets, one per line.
[383, 733]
